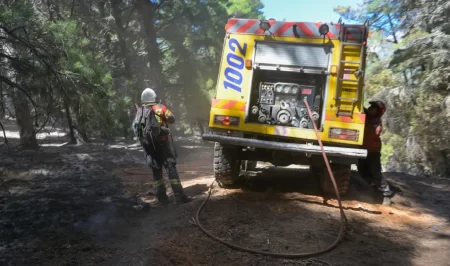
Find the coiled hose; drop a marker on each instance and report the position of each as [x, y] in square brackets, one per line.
[285, 255]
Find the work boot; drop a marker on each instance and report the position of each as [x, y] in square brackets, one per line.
[182, 199]
[163, 200]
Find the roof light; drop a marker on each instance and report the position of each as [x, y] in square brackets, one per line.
[264, 25]
[324, 29]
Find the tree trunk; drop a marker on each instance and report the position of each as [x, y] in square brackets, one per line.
[102, 11]
[201, 123]
[121, 37]
[147, 11]
[72, 140]
[24, 121]
[196, 104]
[80, 128]
[405, 76]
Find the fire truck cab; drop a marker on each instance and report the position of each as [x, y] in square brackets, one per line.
[268, 68]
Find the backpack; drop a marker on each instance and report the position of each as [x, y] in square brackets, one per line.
[150, 129]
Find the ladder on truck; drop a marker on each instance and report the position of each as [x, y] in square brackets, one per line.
[348, 88]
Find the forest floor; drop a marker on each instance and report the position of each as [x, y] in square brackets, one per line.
[79, 205]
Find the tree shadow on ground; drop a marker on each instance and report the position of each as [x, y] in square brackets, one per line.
[62, 202]
[285, 180]
[428, 195]
[409, 192]
[78, 212]
[57, 203]
[196, 190]
[264, 222]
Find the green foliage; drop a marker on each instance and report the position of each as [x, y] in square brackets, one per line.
[245, 9]
[414, 35]
[379, 78]
[381, 15]
[94, 60]
[193, 45]
[415, 81]
[392, 144]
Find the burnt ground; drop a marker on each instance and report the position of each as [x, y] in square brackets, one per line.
[81, 205]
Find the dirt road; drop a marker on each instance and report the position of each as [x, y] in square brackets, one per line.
[79, 206]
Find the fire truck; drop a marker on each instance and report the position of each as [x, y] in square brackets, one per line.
[268, 69]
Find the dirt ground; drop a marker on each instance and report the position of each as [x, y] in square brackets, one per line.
[82, 205]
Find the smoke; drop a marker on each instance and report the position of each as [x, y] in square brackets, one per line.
[99, 225]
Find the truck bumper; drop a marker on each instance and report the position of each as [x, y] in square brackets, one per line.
[283, 146]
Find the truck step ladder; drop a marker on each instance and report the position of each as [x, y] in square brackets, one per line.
[351, 60]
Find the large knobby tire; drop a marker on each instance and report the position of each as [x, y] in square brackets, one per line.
[248, 165]
[226, 166]
[341, 174]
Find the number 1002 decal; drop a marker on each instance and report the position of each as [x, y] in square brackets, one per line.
[235, 60]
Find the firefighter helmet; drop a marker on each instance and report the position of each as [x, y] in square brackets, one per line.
[148, 96]
[380, 105]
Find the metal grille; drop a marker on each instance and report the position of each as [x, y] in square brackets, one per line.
[288, 54]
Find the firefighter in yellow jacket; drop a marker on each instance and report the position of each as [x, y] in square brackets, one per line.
[159, 153]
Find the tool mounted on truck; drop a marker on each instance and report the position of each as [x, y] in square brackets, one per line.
[268, 69]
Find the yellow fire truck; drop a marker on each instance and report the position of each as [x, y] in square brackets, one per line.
[268, 68]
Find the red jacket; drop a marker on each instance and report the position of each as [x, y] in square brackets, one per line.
[372, 132]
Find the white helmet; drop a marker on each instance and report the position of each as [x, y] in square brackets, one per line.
[148, 96]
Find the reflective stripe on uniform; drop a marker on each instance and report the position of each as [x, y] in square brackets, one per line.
[168, 114]
[158, 183]
[169, 117]
[175, 181]
[162, 113]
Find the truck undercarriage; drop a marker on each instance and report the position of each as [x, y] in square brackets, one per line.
[233, 155]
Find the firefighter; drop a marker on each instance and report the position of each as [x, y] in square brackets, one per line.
[163, 155]
[370, 167]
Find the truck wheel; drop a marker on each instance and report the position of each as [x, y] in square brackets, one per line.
[248, 165]
[341, 174]
[226, 167]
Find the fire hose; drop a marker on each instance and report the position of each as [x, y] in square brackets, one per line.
[285, 255]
